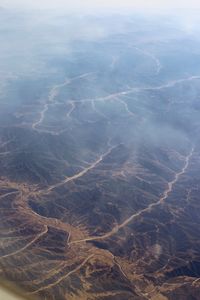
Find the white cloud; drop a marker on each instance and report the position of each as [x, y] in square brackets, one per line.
[96, 5]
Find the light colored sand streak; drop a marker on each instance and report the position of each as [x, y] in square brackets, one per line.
[53, 94]
[63, 277]
[147, 209]
[83, 172]
[27, 245]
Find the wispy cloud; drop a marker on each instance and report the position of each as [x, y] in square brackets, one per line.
[93, 5]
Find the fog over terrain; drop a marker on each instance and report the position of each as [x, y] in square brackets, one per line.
[100, 149]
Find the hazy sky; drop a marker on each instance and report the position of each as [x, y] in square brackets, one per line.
[96, 5]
